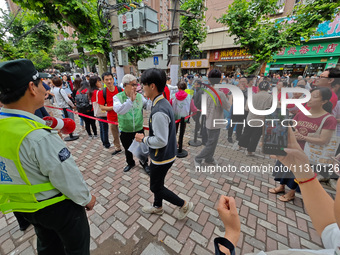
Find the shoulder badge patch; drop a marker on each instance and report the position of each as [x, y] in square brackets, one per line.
[4, 177]
[64, 154]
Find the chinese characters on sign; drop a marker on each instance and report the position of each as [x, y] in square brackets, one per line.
[317, 48]
[331, 48]
[201, 63]
[281, 52]
[292, 51]
[304, 49]
[231, 54]
[321, 49]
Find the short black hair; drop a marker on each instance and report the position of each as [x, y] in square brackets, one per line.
[106, 74]
[156, 76]
[335, 74]
[15, 95]
[182, 85]
[214, 76]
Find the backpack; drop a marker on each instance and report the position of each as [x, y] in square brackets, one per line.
[105, 89]
[83, 103]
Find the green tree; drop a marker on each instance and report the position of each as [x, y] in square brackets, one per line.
[24, 35]
[63, 49]
[255, 29]
[137, 53]
[82, 17]
[192, 27]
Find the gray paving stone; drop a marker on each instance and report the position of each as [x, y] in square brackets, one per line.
[256, 243]
[154, 249]
[121, 216]
[173, 244]
[194, 226]
[207, 202]
[277, 237]
[258, 214]
[244, 197]
[96, 219]
[295, 208]
[201, 251]
[123, 197]
[170, 230]
[275, 210]
[298, 232]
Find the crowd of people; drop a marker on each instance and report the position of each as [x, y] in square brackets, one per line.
[52, 194]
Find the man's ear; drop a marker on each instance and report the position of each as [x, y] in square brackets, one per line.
[32, 88]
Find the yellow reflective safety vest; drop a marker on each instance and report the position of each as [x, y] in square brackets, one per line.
[19, 197]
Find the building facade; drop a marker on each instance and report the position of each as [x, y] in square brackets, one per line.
[313, 57]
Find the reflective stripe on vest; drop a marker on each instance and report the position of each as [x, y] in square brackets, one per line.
[19, 197]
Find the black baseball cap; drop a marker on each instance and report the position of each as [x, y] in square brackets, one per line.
[16, 74]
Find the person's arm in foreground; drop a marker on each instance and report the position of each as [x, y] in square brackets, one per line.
[319, 205]
[313, 194]
[228, 213]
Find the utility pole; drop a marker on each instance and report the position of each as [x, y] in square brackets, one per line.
[116, 38]
[174, 44]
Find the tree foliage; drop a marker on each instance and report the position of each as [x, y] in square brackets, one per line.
[81, 16]
[26, 36]
[255, 28]
[137, 53]
[62, 49]
[192, 27]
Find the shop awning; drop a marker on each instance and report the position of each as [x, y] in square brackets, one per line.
[304, 61]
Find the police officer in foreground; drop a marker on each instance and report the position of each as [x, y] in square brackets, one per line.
[38, 176]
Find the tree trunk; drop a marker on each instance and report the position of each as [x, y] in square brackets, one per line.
[135, 64]
[102, 63]
[258, 69]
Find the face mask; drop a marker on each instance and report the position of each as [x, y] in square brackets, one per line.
[236, 83]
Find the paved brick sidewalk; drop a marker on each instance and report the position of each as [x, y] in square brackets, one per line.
[118, 224]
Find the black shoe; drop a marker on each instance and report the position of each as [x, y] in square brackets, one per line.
[23, 227]
[145, 167]
[147, 170]
[116, 152]
[128, 168]
[230, 140]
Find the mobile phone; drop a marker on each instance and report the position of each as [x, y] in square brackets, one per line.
[275, 135]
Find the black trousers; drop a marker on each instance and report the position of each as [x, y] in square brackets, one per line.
[127, 138]
[250, 138]
[90, 123]
[62, 229]
[239, 127]
[21, 220]
[157, 176]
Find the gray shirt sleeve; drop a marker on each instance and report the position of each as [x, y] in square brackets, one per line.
[225, 102]
[160, 123]
[43, 161]
[121, 108]
[66, 98]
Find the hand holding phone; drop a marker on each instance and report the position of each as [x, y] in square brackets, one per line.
[275, 137]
